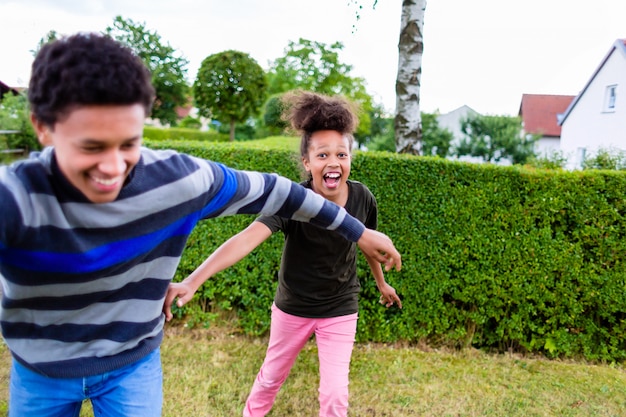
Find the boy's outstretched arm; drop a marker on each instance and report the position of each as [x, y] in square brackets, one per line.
[228, 254]
[380, 248]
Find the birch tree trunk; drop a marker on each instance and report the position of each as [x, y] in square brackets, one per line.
[408, 120]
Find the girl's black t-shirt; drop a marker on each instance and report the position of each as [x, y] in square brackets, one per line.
[317, 276]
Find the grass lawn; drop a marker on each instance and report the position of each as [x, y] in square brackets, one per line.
[208, 373]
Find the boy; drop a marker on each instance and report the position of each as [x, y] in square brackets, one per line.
[93, 227]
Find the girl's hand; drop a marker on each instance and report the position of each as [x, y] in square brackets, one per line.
[179, 290]
[388, 296]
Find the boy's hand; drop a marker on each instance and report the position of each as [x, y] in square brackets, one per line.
[380, 247]
[180, 290]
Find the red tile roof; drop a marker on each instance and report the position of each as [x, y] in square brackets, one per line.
[539, 113]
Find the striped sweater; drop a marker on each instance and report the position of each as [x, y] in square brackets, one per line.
[84, 283]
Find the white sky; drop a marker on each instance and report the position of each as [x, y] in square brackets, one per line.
[480, 53]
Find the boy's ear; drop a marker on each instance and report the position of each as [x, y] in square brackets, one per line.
[305, 163]
[42, 131]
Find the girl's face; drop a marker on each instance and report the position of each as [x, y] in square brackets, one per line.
[328, 161]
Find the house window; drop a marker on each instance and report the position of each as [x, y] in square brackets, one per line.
[609, 98]
[581, 156]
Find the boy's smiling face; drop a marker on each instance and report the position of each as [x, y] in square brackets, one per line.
[96, 147]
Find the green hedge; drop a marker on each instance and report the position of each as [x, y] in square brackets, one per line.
[180, 133]
[499, 258]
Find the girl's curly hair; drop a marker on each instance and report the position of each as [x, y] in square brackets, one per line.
[308, 112]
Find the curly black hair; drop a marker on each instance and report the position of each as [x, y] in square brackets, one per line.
[308, 112]
[86, 69]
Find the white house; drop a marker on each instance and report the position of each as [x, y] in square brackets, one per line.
[596, 118]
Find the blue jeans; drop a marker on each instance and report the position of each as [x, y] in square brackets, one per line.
[135, 390]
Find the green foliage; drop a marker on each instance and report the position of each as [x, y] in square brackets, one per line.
[501, 258]
[384, 139]
[179, 133]
[272, 115]
[168, 68]
[190, 122]
[380, 128]
[315, 66]
[498, 258]
[243, 131]
[435, 140]
[495, 138]
[606, 158]
[15, 116]
[553, 160]
[312, 66]
[230, 87]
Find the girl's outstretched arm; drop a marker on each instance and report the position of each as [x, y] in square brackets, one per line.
[228, 254]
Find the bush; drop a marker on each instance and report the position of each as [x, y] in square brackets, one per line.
[606, 158]
[190, 122]
[498, 258]
[179, 133]
[551, 160]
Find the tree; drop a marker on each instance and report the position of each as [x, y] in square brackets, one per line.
[168, 68]
[495, 138]
[230, 87]
[408, 124]
[272, 115]
[312, 66]
[315, 66]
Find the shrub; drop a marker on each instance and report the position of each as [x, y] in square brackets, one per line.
[606, 158]
[499, 258]
[179, 133]
[190, 122]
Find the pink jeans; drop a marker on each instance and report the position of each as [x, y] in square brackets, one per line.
[288, 335]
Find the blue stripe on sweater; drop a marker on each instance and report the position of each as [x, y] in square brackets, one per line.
[98, 258]
[226, 193]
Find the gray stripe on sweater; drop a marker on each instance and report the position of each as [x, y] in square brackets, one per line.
[44, 210]
[99, 313]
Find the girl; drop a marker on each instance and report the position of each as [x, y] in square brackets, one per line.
[317, 283]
